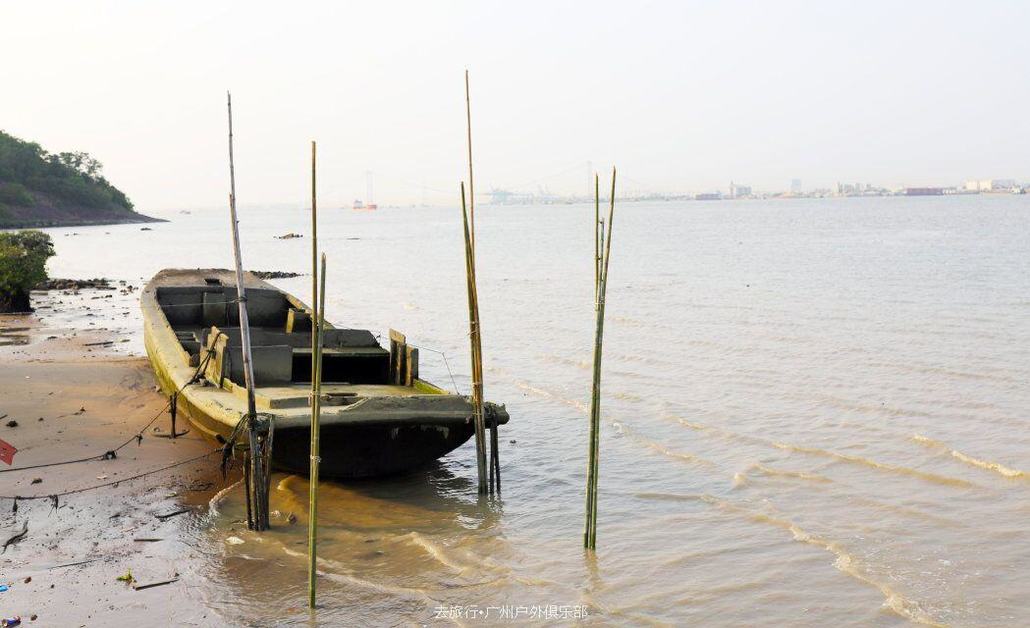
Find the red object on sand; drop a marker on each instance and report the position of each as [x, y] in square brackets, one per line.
[7, 451]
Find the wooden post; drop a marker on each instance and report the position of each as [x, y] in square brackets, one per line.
[410, 366]
[590, 532]
[398, 357]
[316, 418]
[474, 341]
[256, 435]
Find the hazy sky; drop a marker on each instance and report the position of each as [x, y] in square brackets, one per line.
[683, 96]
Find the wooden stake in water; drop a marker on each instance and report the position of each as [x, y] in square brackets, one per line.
[593, 457]
[478, 417]
[256, 495]
[316, 386]
[316, 417]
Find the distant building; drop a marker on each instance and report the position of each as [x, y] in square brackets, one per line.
[500, 197]
[708, 196]
[923, 191]
[739, 191]
[991, 185]
[795, 186]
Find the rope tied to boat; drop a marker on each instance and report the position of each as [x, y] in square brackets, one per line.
[111, 454]
[54, 498]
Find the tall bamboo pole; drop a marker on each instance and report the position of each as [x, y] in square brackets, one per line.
[314, 260]
[472, 193]
[316, 418]
[590, 535]
[597, 244]
[259, 509]
[474, 341]
[317, 317]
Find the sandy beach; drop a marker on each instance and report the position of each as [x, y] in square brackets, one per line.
[65, 397]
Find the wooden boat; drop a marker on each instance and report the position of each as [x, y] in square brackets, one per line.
[378, 417]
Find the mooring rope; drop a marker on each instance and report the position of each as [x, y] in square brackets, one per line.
[445, 362]
[111, 454]
[54, 496]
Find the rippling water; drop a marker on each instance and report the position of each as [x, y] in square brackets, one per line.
[815, 411]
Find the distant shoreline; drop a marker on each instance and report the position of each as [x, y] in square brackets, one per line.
[47, 224]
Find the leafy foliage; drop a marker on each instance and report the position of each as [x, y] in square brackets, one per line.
[73, 178]
[14, 194]
[23, 256]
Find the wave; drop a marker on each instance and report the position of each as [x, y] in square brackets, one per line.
[873, 464]
[996, 467]
[660, 448]
[785, 473]
[843, 561]
[825, 453]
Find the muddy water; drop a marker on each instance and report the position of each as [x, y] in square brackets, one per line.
[816, 412]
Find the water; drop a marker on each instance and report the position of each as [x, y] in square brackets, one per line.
[815, 412]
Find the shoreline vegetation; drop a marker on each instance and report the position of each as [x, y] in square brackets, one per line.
[43, 189]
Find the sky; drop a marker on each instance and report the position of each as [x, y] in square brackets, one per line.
[681, 96]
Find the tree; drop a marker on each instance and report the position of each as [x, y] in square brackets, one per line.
[23, 256]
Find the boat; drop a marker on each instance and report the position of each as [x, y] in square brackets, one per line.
[378, 416]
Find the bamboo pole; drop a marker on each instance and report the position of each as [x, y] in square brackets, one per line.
[597, 244]
[314, 260]
[590, 534]
[316, 418]
[472, 193]
[474, 341]
[259, 511]
[316, 386]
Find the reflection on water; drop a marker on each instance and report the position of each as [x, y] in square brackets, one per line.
[815, 413]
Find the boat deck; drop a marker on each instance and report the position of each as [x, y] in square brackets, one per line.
[298, 395]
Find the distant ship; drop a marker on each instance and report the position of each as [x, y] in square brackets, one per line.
[368, 205]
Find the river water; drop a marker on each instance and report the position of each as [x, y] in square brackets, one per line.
[815, 412]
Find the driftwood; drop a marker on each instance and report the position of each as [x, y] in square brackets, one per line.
[16, 537]
[140, 587]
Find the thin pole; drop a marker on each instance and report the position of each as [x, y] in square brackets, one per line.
[315, 387]
[590, 534]
[474, 340]
[314, 261]
[597, 243]
[257, 478]
[316, 412]
[472, 194]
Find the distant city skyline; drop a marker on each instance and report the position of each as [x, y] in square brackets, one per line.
[683, 97]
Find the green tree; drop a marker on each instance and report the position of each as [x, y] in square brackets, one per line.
[74, 179]
[23, 256]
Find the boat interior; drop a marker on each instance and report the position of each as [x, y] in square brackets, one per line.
[207, 317]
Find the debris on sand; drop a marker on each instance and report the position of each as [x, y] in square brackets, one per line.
[138, 587]
[289, 236]
[17, 536]
[174, 513]
[126, 578]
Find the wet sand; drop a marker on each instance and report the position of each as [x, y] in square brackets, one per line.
[72, 398]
